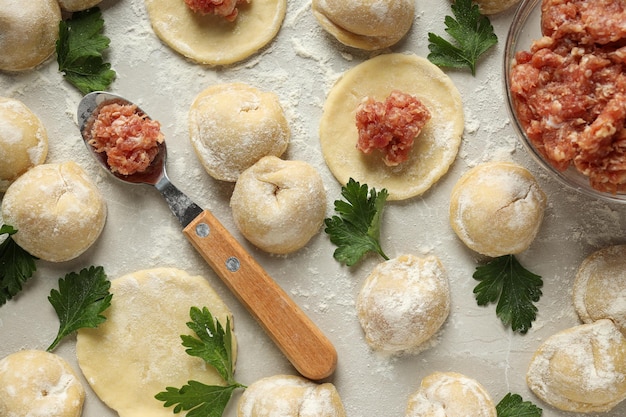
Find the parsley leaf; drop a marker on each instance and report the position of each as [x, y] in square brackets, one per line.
[80, 300]
[16, 265]
[79, 51]
[214, 345]
[512, 405]
[356, 230]
[515, 289]
[472, 32]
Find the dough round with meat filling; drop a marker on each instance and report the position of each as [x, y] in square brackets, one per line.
[279, 205]
[450, 394]
[234, 125]
[365, 24]
[211, 39]
[77, 5]
[57, 210]
[599, 286]
[290, 396]
[36, 383]
[29, 30]
[496, 208]
[489, 7]
[435, 148]
[23, 141]
[581, 369]
[403, 303]
[137, 351]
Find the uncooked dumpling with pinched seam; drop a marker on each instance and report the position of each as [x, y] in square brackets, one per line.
[29, 30]
[290, 396]
[233, 125]
[365, 24]
[279, 205]
[403, 303]
[450, 394]
[581, 369]
[23, 141]
[77, 5]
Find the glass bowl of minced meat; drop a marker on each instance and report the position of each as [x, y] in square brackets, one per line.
[565, 81]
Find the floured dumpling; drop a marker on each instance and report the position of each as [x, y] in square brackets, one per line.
[450, 394]
[496, 208]
[211, 39]
[28, 32]
[57, 210]
[77, 5]
[36, 383]
[279, 205]
[600, 286]
[365, 24]
[290, 396]
[495, 6]
[403, 303]
[137, 352]
[232, 126]
[435, 148]
[581, 369]
[23, 141]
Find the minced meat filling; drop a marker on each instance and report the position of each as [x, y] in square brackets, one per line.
[224, 8]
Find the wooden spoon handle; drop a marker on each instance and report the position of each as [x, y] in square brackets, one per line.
[306, 347]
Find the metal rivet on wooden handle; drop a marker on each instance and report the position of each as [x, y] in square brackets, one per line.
[300, 340]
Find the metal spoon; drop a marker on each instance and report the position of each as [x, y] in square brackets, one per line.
[306, 347]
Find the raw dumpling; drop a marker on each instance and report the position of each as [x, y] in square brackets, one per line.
[279, 205]
[23, 141]
[489, 7]
[403, 303]
[77, 5]
[137, 352]
[29, 30]
[36, 383]
[290, 396]
[365, 24]
[57, 210]
[581, 369]
[496, 208]
[232, 126]
[449, 394]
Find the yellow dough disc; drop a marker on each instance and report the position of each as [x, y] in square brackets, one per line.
[450, 394]
[581, 369]
[137, 352]
[436, 146]
[212, 40]
[35, 383]
[290, 396]
[23, 141]
[599, 286]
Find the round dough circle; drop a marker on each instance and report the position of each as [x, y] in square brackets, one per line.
[57, 210]
[36, 383]
[365, 24]
[232, 126]
[77, 5]
[496, 208]
[29, 32]
[599, 286]
[290, 396]
[450, 394]
[137, 352]
[435, 148]
[212, 40]
[581, 369]
[23, 141]
[490, 7]
[403, 303]
[279, 205]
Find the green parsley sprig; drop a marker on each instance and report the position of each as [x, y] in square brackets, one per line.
[79, 51]
[512, 405]
[505, 281]
[472, 32]
[80, 301]
[356, 231]
[16, 265]
[214, 345]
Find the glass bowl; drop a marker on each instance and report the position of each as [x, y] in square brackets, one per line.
[525, 28]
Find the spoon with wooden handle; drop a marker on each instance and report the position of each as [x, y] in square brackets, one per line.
[306, 347]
